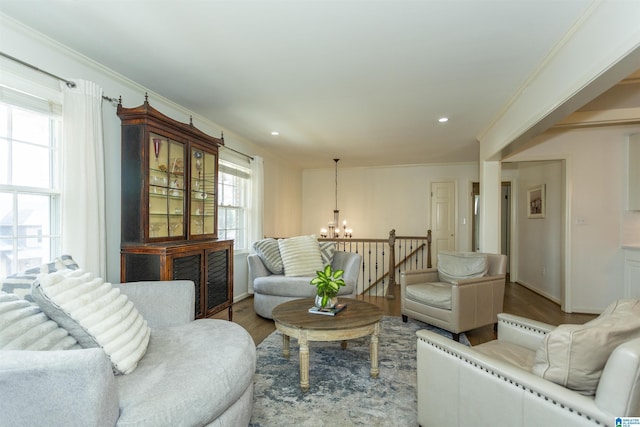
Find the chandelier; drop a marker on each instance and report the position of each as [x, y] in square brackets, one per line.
[333, 228]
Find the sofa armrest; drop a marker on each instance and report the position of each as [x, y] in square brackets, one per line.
[456, 384]
[476, 302]
[483, 279]
[524, 332]
[418, 276]
[256, 267]
[63, 388]
[618, 391]
[162, 303]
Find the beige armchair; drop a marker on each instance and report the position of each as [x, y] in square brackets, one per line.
[465, 292]
[592, 379]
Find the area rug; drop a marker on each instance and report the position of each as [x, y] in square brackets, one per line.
[341, 391]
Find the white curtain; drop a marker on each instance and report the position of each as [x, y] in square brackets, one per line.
[83, 182]
[257, 205]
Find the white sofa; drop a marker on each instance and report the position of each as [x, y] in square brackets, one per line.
[193, 373]
[271, 290]
[493, 384]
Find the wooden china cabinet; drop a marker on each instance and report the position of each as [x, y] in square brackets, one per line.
[170, 209]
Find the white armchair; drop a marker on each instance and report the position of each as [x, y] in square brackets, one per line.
[492, 384]
[465, 292]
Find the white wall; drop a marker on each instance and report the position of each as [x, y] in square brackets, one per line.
[282, 181]
[375, 200]
[539, 244]
[282, 199]
[597, 219]
[630, 231]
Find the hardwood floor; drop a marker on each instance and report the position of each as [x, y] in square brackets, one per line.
[517, 300]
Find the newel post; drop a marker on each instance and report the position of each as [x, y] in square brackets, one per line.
[391, 289]
[428, 248]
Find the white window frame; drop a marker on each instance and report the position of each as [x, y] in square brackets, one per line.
[242, 174]
[51, 108]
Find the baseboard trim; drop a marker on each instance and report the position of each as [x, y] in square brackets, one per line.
[238, 298]
[533, 288]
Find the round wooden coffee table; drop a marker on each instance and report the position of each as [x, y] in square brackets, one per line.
[358, 319]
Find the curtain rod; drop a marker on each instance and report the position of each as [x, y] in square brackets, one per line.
[238, 152]
[69, 83]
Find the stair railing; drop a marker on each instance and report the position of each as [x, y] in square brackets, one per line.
[384, 259]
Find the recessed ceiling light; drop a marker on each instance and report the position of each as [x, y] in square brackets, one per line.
[275, 133]
[443, 119]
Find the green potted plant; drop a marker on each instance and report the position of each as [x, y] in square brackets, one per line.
[327, 283]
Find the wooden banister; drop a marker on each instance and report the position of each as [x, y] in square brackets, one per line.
[374, 251]
[428, 248]
[391, 288]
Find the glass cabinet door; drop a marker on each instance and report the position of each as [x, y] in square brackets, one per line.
[203, 196]
[166, 187]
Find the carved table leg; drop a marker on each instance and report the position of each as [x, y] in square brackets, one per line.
[373, 348]
[285, 345]
[304, 361]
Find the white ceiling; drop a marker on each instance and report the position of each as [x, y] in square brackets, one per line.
[363, 81]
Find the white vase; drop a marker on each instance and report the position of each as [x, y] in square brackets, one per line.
[330, 303]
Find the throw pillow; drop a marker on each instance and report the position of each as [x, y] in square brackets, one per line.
[300, 256]
[96, 314]
[575, 355]
[23, 326]
[454, 266]
[269, 252]
[20, 283]
[327, 249]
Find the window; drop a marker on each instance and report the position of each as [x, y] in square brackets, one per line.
[233, 190]
[30, 133]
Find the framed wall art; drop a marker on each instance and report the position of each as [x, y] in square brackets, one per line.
[536, 202]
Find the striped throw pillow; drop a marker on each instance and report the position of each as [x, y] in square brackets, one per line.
[23, 326]
[20, 283]
[300, 256]
[269, 252]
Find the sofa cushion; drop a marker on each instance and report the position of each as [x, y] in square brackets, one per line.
[183, 379]
[575, 355]
[293, 286]
[269, 252]
[96, 314]
[454, 266]
[437, 294]
[300, 256]
[20, 283]
[327, 249]
[507, 352]
[23, 326]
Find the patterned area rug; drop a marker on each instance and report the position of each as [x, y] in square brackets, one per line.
[341, 391]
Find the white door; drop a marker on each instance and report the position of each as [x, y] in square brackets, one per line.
[443, 204]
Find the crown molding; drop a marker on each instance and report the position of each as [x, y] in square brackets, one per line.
[619, 116]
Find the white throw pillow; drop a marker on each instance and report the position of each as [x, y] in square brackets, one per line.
[575, 355]
[23, 326]
[96, 314]
[300, 256]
